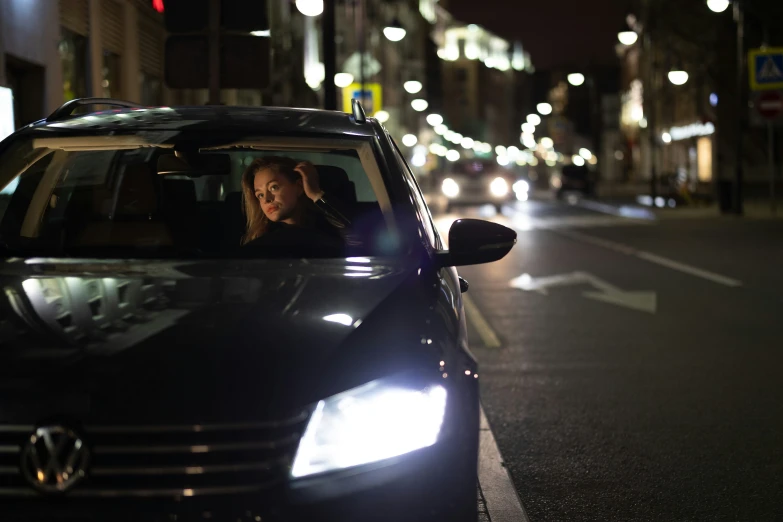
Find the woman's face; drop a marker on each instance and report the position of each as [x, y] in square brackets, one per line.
[277, 195]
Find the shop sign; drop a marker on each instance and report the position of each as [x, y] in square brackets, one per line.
[691, 131]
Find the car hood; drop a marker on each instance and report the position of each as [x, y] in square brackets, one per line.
[218, 341]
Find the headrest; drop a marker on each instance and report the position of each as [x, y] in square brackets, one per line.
[179, 191]
[136, 193]
[334, 181]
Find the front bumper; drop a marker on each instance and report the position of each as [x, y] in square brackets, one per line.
[426, 485]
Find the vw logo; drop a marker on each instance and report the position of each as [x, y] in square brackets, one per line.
[54, 459]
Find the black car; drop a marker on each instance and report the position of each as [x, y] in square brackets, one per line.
[573, 178]
[153, 368]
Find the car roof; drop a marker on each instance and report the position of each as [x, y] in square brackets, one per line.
[275, 120]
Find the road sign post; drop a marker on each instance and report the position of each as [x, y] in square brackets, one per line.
[766, 81]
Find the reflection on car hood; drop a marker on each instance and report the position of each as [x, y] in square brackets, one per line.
[182, 342]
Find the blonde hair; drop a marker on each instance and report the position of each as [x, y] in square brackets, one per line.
[257, 222]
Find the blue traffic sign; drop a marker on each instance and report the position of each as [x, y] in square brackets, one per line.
[766, 69]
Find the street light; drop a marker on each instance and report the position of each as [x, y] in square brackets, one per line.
[666, 137]
[441, 129]
[419, 105]
[627, 37]
[394, 31]
[718, 6]
[528, 128]
[535, 119]
[382, 116]
[343, 80]
[678, 77]
[547, 143]
[577, 79]
[434, 119]
[412, 86]
[409, 140]
[544, 108]
[310, 7]
[585, 153]
[452, 155]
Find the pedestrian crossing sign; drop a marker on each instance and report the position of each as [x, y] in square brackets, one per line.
[766, 69]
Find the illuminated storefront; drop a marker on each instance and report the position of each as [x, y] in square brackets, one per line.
[688, 152]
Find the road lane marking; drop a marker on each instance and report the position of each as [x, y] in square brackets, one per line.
[500, 495]
[641, 301]
[624, 211]
[476, 318]
[652, 258]
[698, 272]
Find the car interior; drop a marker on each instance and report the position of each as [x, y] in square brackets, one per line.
[158, 199]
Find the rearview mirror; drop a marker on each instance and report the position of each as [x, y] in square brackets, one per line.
[194, 165]
[474, 241]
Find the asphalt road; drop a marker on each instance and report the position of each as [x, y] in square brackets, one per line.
[672, 410]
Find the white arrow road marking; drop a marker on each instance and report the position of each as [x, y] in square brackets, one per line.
[642, 301]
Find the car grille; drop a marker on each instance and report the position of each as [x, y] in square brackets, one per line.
[168, 461]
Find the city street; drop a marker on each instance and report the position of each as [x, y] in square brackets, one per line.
[630, 369]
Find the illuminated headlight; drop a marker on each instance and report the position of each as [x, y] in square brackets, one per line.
[521, 189]
[450, 188]
[521, 186]
[498, 187]
[373, 422]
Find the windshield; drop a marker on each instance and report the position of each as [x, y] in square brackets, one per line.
[192, 194]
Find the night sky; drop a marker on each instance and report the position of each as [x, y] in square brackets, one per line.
[557, 33]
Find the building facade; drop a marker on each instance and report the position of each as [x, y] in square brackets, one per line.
[54, 51]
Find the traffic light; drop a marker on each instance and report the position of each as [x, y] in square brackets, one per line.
[186, 16]
[244, 58]
[236, 15]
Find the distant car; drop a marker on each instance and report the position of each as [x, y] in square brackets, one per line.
[478, 182]
[153, 369]
[572, 178]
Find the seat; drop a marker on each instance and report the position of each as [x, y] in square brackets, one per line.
[132, 220]
[180, 210]
[335, 182]
[234, 223]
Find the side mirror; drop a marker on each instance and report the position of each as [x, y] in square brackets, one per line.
[474, 241]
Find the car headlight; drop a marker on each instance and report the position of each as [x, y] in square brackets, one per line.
[450, 188]
[376, 421]
[521, 186]
[498, 187]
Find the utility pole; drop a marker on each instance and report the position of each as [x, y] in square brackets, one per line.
[650, 95]
[362, 44]
[741, 106]
[214, 52]
[330, 59]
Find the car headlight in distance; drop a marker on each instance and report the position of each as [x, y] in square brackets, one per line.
[498, 187]
[450, 188]
[521, 186]
[370, 423]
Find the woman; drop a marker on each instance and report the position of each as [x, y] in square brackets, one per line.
[285, 206]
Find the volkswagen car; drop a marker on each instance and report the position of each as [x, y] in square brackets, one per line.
[153, 369]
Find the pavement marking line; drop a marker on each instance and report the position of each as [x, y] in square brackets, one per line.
[652, 258]
[500, 495]
[698, 272]
[476, 318]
